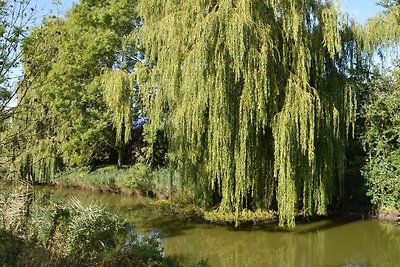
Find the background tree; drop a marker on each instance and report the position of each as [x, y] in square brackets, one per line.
[14, 19]
[381, 133]
[382, 142]
[254, 97]
[383, 30]
[118, 95]
[65, 106]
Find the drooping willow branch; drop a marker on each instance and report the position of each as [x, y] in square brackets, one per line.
[252, 98]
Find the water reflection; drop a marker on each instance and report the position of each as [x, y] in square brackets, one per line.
[356, 243]
[322, 243]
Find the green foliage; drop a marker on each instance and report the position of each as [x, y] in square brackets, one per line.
[383, 30]
[104, 176]
[245, 216]
[14, 18]
[167, 181]
[118, 95]
[118, 89]
[14, 207]
[138, 178]
[65, 119]
[254, 98]
[9, 247]
[70, 235]
[382, 142]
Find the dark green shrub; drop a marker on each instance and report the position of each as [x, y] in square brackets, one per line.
[138, 178]
[382, 142]
[9, 248]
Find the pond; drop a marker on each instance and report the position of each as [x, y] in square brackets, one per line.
[322, 243]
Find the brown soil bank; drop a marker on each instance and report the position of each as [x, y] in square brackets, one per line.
[389, 215]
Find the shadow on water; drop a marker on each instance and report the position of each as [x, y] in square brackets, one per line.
[168, 227]
[307, 226]
[325, 225]
[271, 226]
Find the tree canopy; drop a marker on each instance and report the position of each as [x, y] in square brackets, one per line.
[255, 98]
[14, 20]
[65, 116]
[381, 136]
[382, 141]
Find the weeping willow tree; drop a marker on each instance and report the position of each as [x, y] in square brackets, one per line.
[29, 151]
[383, 31]
[254, 97]
[118, 87]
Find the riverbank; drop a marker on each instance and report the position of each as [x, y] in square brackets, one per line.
[312, 242]
[389, 215]
[137, 180]
[162, 188]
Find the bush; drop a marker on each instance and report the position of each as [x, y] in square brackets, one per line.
[9, 248]
[90, 232]
[70, 235]
[138, 177]
[105, 176]
[382, 143]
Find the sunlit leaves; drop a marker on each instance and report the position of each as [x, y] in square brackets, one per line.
[65, 105]
[253, 104]
[382, 142]
[118, 89]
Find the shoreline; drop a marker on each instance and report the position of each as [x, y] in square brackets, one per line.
[187, 211]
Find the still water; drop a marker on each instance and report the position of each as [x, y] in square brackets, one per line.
[322, 243]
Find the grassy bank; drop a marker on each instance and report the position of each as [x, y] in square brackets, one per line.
[137, 180]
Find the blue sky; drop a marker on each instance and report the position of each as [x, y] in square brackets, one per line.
[361, 10]
[47, 7]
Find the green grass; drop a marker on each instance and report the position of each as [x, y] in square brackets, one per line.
[138, 179]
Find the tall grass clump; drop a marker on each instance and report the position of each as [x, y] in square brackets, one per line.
[34, 231]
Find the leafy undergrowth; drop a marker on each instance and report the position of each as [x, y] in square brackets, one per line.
[245, 216]
[35, 232]
[184, 207]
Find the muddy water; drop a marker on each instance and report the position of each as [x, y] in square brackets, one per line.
[321, 243]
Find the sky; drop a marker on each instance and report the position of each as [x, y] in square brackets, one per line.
[360, 10]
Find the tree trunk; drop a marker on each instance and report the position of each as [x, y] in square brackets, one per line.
[120, 157]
